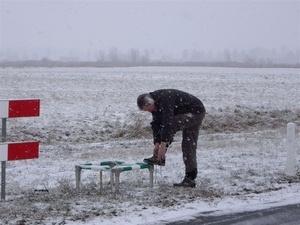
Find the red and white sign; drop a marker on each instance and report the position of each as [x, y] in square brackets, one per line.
[19, 108]
[18, 151]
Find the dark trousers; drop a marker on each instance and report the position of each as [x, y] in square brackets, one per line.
[189, 124]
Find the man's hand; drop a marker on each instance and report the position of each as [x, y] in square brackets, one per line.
[162, 151]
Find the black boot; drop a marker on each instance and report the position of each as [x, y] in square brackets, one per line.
[154, 161]
[186, 183]
[189, 179]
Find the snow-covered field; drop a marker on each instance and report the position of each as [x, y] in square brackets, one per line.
[90, 114]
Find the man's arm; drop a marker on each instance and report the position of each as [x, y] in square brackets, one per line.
[167, 107]
[162, 150]
[156, 130]
[156, 148]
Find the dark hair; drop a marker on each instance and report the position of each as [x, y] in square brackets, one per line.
[144, 99]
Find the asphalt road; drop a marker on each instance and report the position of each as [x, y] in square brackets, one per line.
[283, 215]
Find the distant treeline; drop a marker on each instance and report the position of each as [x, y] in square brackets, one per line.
[49, 63]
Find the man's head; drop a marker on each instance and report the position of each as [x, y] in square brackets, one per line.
[145, 102]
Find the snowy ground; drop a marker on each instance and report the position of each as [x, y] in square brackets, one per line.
[90, 114]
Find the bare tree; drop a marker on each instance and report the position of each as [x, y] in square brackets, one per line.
[134, 55]
[226, 55]
[146, 56]
[113, 54]
[100, 56]
[185, 55]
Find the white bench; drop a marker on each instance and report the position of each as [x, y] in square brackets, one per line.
[115, 168]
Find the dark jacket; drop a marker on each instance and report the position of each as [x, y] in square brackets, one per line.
[170, 102]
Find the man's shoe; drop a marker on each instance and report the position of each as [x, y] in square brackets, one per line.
[153, 160]
[186, 183]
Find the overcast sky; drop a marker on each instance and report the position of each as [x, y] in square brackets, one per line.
[61, 28]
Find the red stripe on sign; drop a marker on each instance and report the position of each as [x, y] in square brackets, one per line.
[24, 150]
[23, 108]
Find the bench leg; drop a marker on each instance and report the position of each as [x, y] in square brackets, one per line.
[117, 184]
[112, 180]
[101, 180]
[151, 170]
[78, 177]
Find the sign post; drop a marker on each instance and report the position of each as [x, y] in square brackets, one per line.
[290, 145]
[16, 151]
[3, 163]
